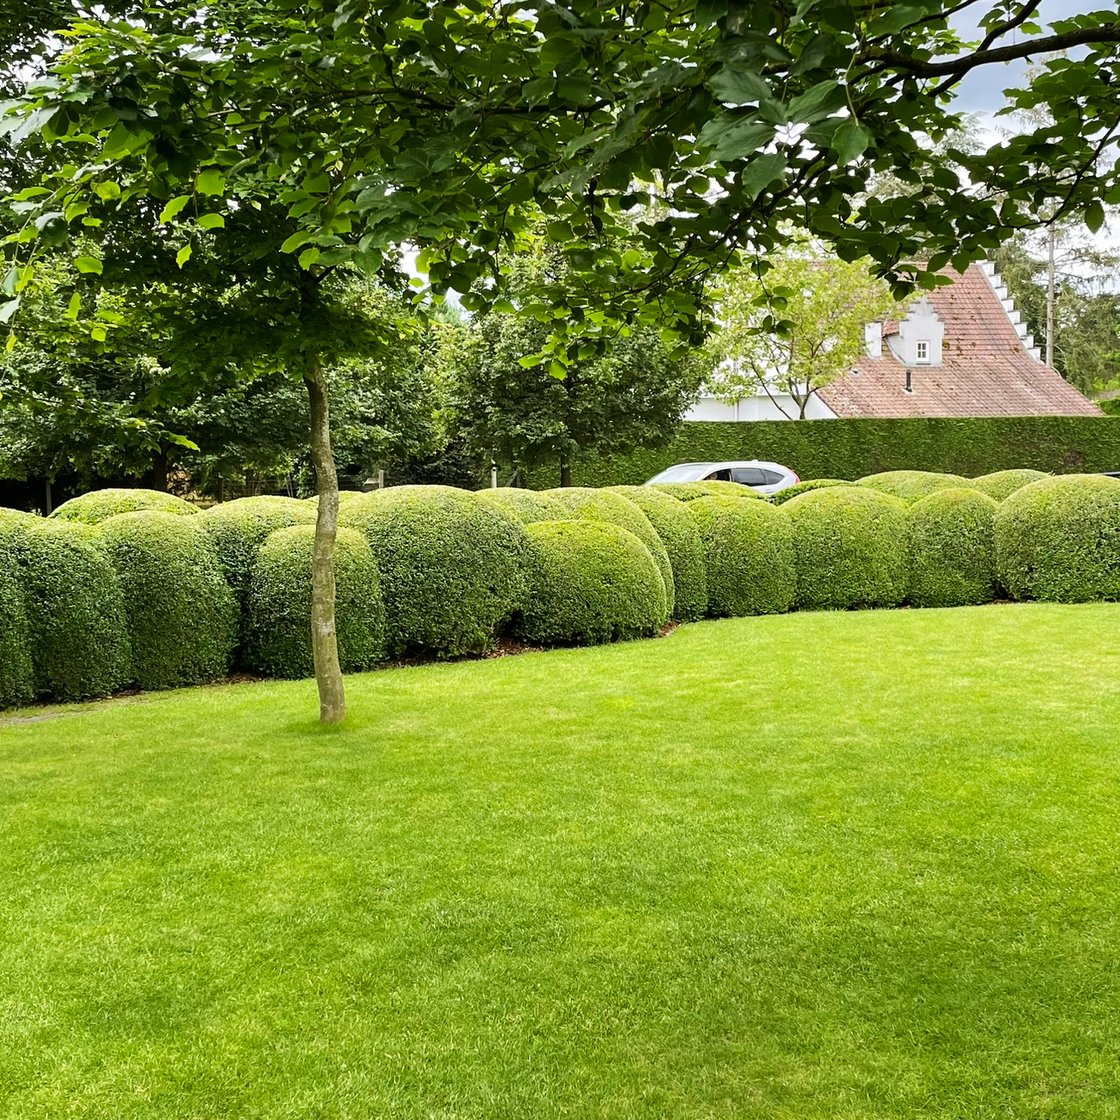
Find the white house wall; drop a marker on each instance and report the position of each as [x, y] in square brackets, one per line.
[712, 409]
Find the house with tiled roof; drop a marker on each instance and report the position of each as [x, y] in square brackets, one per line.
[961, 350]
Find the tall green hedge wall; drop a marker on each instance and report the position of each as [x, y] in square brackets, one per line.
[853, 448]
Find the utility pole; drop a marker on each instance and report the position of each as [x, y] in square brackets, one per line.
[1050, 294]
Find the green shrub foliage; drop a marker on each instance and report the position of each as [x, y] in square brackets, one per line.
[850, 545]
[952, 549]
[1058, 540]
[748, 548]
[783, 496]
[79, 636]
[451, 566]
[182, 615]
[589, 581]
[98, 505]
[239, 528]
[1002, 484]
[680, 536]
[606, 505]
[526, 505]
[855, 448]
[912, 485]
[690, 491]
[278, 640]
[17, 674]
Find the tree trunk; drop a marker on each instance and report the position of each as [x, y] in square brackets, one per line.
[565, 471]
[324, 639]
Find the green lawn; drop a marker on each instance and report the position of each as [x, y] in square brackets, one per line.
[815, 866]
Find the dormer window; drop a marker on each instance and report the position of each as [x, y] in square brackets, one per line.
[921, 350]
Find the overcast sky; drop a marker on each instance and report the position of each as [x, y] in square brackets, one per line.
[982, 90]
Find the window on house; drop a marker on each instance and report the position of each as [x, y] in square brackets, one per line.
[923, 350]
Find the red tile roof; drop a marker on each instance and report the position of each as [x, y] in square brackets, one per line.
[986, 367]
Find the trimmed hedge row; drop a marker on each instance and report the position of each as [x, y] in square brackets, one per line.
[856, 448]
[181, 613]
[589, 581]
[148, 597]
[1058, 540]
[748, 551]
[678, 532]
[278, 632]
[851, 548]
[452, 567]
[99, 505]
[952, 549]
[585, 504]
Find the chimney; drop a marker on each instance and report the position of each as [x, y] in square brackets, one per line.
[873, 339]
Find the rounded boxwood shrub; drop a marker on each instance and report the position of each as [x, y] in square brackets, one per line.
[748, 549]
[75, 610]
[239, 528]
[1002, 484]
[1058, 540]
[678, 532]
[850, 544]
[451, 566]
[278, 640]
[952, 549]
[182, 615]
[98, 505]
[912, 485]
[17, 675]
[783, 496]
[589, 504]
[690, 491]
[526, 505]
[589, 581]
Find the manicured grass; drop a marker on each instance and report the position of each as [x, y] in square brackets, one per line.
[829, 866]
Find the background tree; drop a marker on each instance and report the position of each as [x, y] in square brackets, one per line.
[1070, 300]
[795, 329]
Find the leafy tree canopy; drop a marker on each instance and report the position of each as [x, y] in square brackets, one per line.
[447, 126]
[631, 394]
[823, 305]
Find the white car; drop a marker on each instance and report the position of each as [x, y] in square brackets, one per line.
[766, 478]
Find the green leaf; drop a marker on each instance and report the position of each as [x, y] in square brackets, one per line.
[309, 256]
[817, 102]
[761, 172]
[107, 191]
[174, 207]
[300, 237]
[73, 307]
[210, 181]
[1094, 215]
[98, 333]
[7, 310]
[183, 255]
[180, 441]
[738, 86]
[88, 264]
[734, 136]
[211, 221]
[11, 282]
[849, 141]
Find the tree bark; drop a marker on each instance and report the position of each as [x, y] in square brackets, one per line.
[565, 471]
[324, 638]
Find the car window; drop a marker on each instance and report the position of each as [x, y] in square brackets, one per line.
[722, 475]
[751, 476]
[772, 477]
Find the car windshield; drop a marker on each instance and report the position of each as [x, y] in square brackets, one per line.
[683, 472]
